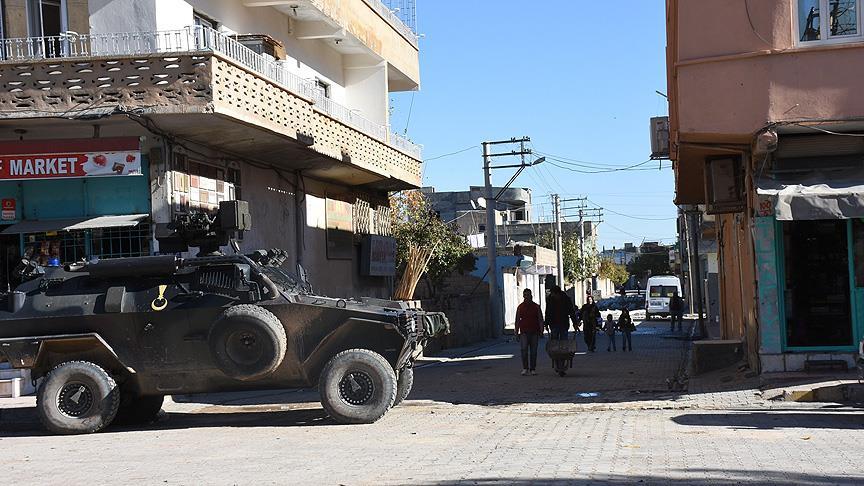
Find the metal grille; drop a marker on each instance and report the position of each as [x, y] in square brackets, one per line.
[406, 10]
[121, 242]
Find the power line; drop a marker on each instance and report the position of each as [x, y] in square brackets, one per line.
[641, 218]
[451, 153]
[581, 163]
[634, 167]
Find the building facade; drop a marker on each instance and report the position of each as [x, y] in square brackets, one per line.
[117, 115]
[765, 129]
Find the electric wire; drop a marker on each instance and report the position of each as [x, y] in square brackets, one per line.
[450, 154]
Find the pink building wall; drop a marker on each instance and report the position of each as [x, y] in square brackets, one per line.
[728, 79]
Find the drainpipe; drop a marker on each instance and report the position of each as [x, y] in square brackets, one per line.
[299, 217]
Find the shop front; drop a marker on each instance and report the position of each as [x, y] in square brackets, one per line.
[809, 240]
[64, 200]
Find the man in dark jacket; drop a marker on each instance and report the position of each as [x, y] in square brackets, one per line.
[590, 315]
[676, 311]
[559, 312]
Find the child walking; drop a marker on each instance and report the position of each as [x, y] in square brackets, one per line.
[625, 325]
[609, 327]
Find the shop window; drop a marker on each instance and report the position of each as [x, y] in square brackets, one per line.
[827, 21]
[56, 248]
[817, 295]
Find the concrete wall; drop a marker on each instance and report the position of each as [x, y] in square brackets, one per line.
[365, 24]
[123, 16]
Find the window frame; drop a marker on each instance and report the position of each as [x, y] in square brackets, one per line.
[33, 23]
[826, 39]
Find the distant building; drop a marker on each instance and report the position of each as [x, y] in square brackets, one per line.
[514, 205]
[621, 256]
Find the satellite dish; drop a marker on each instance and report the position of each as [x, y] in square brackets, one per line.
[481, 201]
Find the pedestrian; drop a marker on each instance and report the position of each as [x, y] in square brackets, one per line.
[590, 315]
[625, 325]
[609, 327]
[676, 311]
[529, 326]
[560, 311]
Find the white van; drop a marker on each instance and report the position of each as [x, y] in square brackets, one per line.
[658, 292]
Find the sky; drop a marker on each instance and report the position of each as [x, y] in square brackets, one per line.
[578, 77]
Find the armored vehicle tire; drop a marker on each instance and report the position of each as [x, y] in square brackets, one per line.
[357, 386]
[77, 397]
[404, 384]
[247, 342]
[136, 409]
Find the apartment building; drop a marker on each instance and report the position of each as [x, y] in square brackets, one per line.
[117, 115]
[766, 134]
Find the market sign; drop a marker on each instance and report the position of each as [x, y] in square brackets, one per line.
[70, 158]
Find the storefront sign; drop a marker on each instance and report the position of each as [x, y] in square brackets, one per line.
[378, 257]
[8, 213]
[59, 159]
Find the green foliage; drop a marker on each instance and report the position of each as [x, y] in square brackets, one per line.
[615, 272]
[654, 263]
[416, 224]
[576, 267]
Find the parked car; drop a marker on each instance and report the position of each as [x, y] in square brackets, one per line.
[107, 339]
[658, 291]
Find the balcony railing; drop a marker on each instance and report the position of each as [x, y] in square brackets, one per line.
[192, 40]
[395, 21]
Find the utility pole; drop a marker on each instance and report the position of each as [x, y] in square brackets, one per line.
[559, 246]
[496, 301]
[696, 274]
[491, 244]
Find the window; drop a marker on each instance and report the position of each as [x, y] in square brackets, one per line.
[202, 20]
[323, 88]
[828, 21]
[663, 290]
[46, 18]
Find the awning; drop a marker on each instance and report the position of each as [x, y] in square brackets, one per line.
[72, 224]
[815, 195]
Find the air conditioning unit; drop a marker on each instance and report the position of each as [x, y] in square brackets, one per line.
[660, 137]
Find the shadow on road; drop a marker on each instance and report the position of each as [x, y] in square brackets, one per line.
[775, 420]
[24, 422]
[694, 476]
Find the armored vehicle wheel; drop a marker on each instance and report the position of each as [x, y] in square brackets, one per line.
[136, 409]
[357, 386]
[247, 342]
[404, 384]
[77, 397]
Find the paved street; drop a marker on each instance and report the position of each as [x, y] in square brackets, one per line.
[471, 420]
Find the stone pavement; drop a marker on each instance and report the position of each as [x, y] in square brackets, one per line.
[471, 420]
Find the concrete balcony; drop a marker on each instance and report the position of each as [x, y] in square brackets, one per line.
[202, 86]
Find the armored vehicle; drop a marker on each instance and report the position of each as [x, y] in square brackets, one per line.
[106, 340]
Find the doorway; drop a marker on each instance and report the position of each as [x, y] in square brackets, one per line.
[817, 289]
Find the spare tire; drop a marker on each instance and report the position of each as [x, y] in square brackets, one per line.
[247, 342]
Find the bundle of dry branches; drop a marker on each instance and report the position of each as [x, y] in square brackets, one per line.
[415, 267]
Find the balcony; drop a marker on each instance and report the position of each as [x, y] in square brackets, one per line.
[171, 75]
